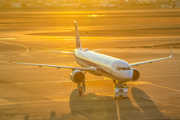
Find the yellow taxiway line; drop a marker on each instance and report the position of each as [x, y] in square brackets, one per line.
[164, 87]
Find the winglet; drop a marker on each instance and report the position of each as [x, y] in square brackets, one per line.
[11, 58]
[171, 53]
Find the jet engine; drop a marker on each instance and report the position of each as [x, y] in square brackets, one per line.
[136, 75]
[77, 76]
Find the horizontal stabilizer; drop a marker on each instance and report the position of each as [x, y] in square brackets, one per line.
[96, 50]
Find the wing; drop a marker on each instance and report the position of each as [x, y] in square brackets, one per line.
[150, 61]
[63, 52]
[58, 67]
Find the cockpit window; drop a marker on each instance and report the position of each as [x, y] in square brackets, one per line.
[128, 68]
[118, 68]
[123, 68]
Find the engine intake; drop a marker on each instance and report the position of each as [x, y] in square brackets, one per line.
[77, 76]
[136, 75]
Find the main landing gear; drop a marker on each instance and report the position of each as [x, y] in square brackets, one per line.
[120, 90]
[81, 88]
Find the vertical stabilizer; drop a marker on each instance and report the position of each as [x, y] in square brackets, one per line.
[78, 41]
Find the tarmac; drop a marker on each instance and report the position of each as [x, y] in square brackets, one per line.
[34, 93]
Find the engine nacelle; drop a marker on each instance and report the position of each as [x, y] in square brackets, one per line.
[77, 76]
[136, 75]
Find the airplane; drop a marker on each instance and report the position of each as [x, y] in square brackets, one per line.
[98, 64]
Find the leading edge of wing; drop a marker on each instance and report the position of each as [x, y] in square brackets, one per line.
[57, 66]
[154, 60]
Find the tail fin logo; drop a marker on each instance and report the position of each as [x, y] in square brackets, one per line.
[78, 41]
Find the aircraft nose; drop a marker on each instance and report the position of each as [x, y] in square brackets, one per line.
[131, 74]
[128, 74]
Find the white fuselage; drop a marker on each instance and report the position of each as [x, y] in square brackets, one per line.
[111, 67]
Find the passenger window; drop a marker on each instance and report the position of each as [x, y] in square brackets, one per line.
[123, 68]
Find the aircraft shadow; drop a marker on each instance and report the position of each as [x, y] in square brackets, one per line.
[95, 107]
[140, 107]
